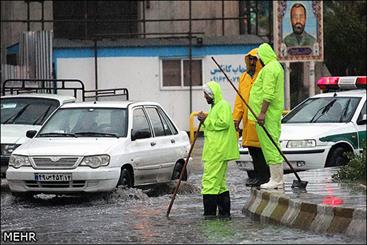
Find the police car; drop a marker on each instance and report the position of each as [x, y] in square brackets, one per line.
[319, 131]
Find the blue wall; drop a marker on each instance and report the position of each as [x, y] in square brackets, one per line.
[158, 51]
[161, 51]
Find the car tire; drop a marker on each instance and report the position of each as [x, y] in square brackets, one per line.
[337, 157]
[126, 178]
[177, 172]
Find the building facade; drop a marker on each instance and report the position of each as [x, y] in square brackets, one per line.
[159, 50]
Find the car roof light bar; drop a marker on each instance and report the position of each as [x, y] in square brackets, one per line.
[329, 84]
[347, 82]
[361, 82]
[326, 83]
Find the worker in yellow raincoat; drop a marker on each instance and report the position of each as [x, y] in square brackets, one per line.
[267, 101]
[261, 173]
[220, 146]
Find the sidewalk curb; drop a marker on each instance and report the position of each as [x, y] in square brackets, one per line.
[278, 208]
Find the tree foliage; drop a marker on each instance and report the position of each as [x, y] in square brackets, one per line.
[345, 37]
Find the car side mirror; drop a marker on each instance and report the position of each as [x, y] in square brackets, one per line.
[31, 133]
[140, 134]
[363, 120]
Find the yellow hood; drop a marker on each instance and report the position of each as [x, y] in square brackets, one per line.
[253, 52]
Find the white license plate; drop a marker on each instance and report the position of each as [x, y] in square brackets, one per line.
[52, 177]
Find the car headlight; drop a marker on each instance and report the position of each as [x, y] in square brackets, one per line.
[7, 149]
[96, 161]
[17, 161]
[301, 143]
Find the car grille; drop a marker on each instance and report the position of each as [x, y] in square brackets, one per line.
[55, 162]
[55, 184]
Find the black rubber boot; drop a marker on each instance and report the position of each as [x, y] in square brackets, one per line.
[210, 205]
[261, 169]
[264, 172]
[224, 205]
[255, 182]
[259, 181]
[251, 177]
[252, 182]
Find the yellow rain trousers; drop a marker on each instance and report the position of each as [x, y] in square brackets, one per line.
[269, 86]
[220, 144]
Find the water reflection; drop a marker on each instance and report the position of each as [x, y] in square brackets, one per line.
[135, 216]
[143, 224]
[217, 230]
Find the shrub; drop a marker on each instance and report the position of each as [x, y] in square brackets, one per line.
[355, 169]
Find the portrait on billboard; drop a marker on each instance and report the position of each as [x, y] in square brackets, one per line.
[298, 30]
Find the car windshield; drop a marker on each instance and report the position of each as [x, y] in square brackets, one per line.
[323, 110]
[29, 111]
[86, 122]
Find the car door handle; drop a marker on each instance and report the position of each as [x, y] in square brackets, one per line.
[153, 143]
[173, 141]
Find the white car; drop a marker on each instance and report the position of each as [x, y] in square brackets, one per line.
[96, 146]
[20, 113]
[317, 132]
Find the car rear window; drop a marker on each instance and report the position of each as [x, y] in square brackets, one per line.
[29, 111]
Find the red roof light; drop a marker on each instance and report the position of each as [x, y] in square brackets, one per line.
[361, 82]
[342, 83]
[325, 83]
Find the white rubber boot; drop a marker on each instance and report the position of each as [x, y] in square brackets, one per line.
[280, 176]
[272, 180]
[276, 177]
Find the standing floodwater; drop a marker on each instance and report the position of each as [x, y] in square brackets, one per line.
[139, 216]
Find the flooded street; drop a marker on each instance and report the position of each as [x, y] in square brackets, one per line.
[133, 216]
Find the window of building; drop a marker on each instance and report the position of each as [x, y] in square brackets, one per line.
[91, 19]
[256, 17]
[176, 73]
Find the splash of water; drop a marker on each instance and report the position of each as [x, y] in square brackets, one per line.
[169, 188]
[126, 194]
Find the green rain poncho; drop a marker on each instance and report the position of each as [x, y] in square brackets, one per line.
[220, 143]
[269, 86]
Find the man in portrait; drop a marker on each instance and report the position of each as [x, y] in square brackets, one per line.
[299, 37]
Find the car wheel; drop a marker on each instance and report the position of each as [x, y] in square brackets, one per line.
[337, 157]
[177, 172]
[126, 178]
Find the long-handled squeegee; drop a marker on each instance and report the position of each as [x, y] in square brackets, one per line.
[298, 183]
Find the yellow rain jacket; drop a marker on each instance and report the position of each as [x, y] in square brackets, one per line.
[249, 136]
[220, 143]
[269, 86]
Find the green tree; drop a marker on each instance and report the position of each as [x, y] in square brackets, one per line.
[345, 37]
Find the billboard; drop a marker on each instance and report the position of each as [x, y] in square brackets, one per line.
[298, 31]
